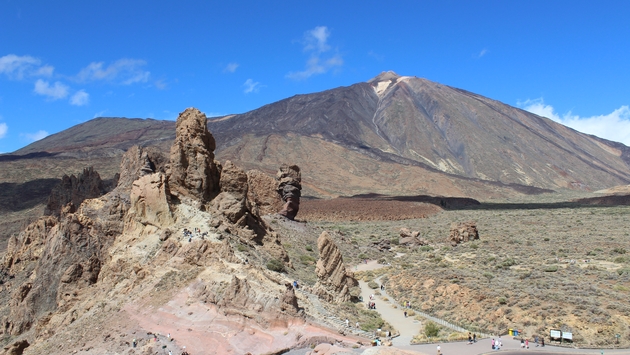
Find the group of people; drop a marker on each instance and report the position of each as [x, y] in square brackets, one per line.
[371, 304]
[197, 232]
[472, 338]
[497, 344]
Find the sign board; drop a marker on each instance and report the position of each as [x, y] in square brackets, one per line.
[567, 335]
[555, 333]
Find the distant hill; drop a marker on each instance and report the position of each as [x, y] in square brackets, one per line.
[393, 135]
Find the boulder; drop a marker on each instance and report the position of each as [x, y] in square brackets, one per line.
[409, 238]
[290, 189]
[193, 171]
[334, 282]
[463, 232]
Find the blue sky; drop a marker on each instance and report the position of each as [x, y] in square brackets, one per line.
[66, 62]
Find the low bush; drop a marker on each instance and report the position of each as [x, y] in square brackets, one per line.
[275, 265]
[431, 329]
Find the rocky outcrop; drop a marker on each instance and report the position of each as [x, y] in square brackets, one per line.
[75, 189]
[288, 302]
[138, 162]
[290, 189]
[409, 238]
[261, 194]
[17, 348]
[193, 171]
[334, 282]
[149, 198]
[463, 232]
[55, 259]
[232, 200]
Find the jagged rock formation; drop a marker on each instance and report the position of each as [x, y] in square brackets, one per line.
[410, 238]
[290, 188]
[75, 189]
[334, 282]
[112, 246]
[193, 171]
[463, 232]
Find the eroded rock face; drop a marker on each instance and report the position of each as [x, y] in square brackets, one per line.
[290, 189]
[232, 200]
[193, 171]
[75, 189]
[138, 162]
[334, 282]
[150, 201]
[17, 348]
[288, 302]
[463, 232]
[261, 194]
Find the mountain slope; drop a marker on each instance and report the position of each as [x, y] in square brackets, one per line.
[417, 122]
[394, 134]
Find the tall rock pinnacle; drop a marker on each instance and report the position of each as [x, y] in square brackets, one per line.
[193, 171]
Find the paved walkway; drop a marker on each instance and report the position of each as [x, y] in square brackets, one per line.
[408, 327]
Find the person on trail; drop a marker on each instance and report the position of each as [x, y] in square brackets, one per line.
[405, 314]
[469, 339]
[522, 343]
[474, 337]
[347, 323]
[439, 350]
[526, 343]
[499, 343]
[492, 344]
[542, 342]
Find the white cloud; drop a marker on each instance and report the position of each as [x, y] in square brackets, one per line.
[160, 84]
[3, 130]
[251, 86]
[32, 137]
[123, 71]
[482, 53]
[54, 92]
[316, 43]
[80, 98]
[231, 68]
[17, 67]
[614, 126]
[317, 39]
